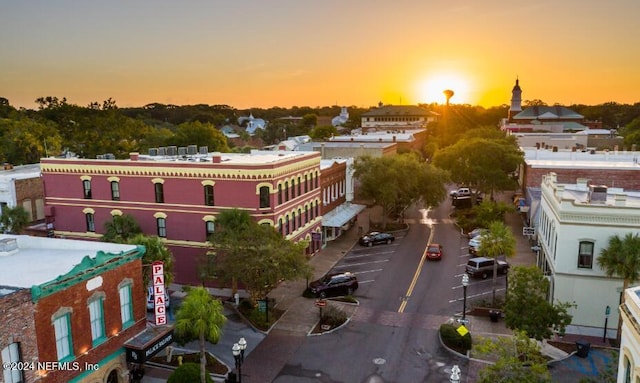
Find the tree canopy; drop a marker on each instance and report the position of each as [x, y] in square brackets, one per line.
[497, 241]
[13, 219]
[255, 254]
[155, 251]
[397, 182]
[197, 133]
[485, 164]
[527, 307]
[121, 229]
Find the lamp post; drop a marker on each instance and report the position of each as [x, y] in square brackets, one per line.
[465, 283]
[455, 374]
[607, 311]
[238, 355]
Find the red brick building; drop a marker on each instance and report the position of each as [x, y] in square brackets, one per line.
[22, 186]
[177, 197]
[69, 307]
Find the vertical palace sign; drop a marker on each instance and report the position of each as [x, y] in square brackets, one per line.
[159, 294]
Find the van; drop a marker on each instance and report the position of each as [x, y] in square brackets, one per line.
[483, 267]
[151, 303]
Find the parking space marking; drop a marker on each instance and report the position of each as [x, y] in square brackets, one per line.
[367, 281]
[475, 295]
[359, 264]
[369, 254]
[366, 271]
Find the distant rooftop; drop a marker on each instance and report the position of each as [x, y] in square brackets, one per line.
[578, 159]
[377, 136]
[38, 260]
[20, 172]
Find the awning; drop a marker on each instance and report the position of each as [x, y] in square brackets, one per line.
[342, 214]
[147, 343]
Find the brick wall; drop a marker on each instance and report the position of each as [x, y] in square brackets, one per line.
[30, 189]
[76, 297]
[626, 179]
[17, 326]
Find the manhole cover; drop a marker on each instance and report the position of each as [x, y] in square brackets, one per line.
[379, 361]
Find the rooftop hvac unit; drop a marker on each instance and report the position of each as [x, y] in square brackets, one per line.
[192, 150]
[172, 150]
[110, 156]
[162, 151]
[182, 151]
[100, 157]
[153, 151]
[597, 194]
[204, 150]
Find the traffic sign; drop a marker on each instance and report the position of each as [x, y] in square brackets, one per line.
[528, 231]
[321, 303]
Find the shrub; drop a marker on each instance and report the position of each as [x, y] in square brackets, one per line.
[187, 373]
[333, 316]
[454, 340]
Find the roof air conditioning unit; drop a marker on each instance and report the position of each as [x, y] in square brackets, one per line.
[204, 150]
[110, 156]
[182, 151]
[153, 151]
[192, 150]
[172, 150]
[162, 151]
[597, 194]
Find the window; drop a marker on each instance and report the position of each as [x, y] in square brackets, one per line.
[316, 181]
[286, 191]
[91, 223]
[62, 330]
[86, 185]
[96, 318]
[162, 227]
[279, 194]
[585, 255]
[126, 307]
[306, 183]
[159, 188]
[286, 226]
[115, 190]
[264, 197]
[11, 354]
[306, 213]
[293, 220]
[316, 212]
[299, 185]
[210, 228]
[299, 217]
[293, 188]
[208, 195]
[280, 226]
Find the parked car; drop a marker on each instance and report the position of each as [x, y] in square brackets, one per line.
[483, 267]
[335, 284]
[461, 192]
[474, 244]
[150, 303]
[476, 232]
[376, 238]
[434, 251]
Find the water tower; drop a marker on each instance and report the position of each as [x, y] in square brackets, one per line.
[448, 93]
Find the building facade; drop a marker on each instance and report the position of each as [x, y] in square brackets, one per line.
[629, 358]
[22, 186]
[397, 117]
[69, 307]
[178, 197]
[574, 225]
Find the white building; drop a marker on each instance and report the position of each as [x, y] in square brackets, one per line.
[397, 117]
[574, 225]
[629, 359]
[342, 118]
[22, 186]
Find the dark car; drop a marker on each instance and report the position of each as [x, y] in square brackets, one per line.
[336, 284]
[376, 238]
[434, 251]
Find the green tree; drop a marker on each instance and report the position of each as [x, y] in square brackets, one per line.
[518, 360]
[13, 219]
[498, 241]
[197, 133]
[25, 141]
[121, 229]
[323, 132]
[255, 254]
[486, 212]
[187, 373]
[397, 182]
[527, 307]
[200, 317]
[485, 164]
[155, 251]
[309, 120]
[621, 259]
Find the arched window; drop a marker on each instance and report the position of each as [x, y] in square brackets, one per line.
[265, 200]
[299, 185]
[91, 222]
[161, 224]
[279, 194]
[293, 220]
[208, 195]
[299, 217]
[286, 190]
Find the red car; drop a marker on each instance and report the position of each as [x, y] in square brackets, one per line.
[434, 251]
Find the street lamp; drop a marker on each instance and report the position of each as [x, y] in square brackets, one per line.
[455, 374]
[238, 355]
[465, 283]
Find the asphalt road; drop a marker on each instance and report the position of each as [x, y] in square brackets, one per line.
[403, 302]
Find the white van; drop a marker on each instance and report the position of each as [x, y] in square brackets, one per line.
[150, 304]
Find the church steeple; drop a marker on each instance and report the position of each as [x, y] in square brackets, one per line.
[516, 100]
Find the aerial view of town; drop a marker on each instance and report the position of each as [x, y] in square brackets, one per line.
[319, 192]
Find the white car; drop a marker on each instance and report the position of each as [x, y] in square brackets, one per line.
[474, 244]
[150, 305]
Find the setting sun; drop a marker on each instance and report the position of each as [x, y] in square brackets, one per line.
[431, 88]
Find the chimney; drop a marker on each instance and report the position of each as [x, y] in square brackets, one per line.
[620, 200]
[216, 157]
[322, 150]
[394, 138]
[134, 156]
[582, 184]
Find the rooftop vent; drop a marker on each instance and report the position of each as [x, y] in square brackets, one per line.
[182, 151]
[8, 245]
[172, 150]
[597, 194]
[162, 151]
[109, 156]
[192, 150]
[204, 150]
[153, 151]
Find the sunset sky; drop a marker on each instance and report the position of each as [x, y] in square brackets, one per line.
[259, 53]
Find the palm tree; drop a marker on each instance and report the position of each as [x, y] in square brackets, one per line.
[233, 229]
[200, 317]
[155, 251]
[498, 241]
[622, 259]
[121, 228]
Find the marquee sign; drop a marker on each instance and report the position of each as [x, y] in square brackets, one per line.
[159, 303]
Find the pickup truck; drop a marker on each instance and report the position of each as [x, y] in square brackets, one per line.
[461, 192]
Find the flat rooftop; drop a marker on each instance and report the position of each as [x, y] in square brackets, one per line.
[38, 260]
[547, 158]
[21, 172]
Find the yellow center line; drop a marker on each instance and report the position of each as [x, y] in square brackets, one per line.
[416, 275]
